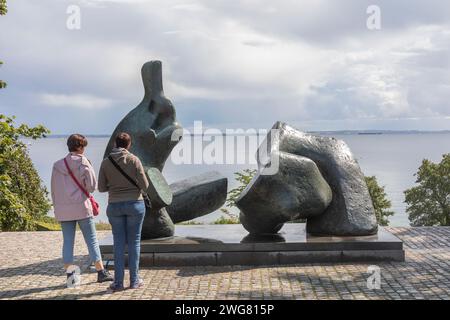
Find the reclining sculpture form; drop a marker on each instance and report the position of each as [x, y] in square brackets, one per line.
[318, 179]
[154, 130]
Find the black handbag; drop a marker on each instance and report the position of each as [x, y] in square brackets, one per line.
[147, 201]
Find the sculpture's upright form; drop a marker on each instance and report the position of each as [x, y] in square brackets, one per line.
[152, 123]
[154, 131]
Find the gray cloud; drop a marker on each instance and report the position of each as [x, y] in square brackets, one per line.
[231, 63]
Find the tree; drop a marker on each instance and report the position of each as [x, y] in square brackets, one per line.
[244, 179]
[2, 83]
[377, 193]
[3, 10]
[3, 7]
[428, 203]
[23, 197]
[381, 203]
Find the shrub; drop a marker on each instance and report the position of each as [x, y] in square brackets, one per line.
[23, 197]
[428, 203]
[102, 226]
[244, 179]
[381, 203]
[228, 218]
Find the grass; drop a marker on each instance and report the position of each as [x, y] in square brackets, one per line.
[51, 224]
[227, 220]
[102, 226]
[46, 226]
[297, 221]
[189, 223]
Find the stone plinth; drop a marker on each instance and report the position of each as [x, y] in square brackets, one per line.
[201, 245]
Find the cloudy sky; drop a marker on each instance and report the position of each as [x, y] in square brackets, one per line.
[231, 64]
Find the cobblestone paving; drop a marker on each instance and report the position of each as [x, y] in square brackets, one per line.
[31, 268]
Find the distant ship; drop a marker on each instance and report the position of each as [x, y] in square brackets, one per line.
[370, 133]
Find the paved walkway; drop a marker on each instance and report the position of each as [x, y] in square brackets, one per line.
[31, 268]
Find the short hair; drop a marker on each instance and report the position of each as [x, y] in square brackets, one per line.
[76, 141]
[123, 140]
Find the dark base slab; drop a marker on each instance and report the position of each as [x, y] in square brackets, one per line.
[202, 245]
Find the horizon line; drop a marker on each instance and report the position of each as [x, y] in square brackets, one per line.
[364, 131]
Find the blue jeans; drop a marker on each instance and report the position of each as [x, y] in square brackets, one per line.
[126, 219]
[87, 227]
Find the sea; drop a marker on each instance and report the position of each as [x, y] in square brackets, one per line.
[393, 157]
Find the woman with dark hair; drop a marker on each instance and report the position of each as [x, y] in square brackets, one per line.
[72, 205]
[122, 175]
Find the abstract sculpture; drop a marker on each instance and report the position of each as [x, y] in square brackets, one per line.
[154, 132]
[296, 191]
[152, 124]
[318, 180]
[194, 197]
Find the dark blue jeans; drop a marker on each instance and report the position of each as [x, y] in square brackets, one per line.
[126, 219]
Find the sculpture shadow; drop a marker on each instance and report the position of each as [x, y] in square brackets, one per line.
[263, 238]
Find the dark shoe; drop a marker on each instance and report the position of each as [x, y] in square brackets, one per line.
[115, 288]
[137, 285]
[103, 276]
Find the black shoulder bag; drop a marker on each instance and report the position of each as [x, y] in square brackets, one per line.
[144, 194]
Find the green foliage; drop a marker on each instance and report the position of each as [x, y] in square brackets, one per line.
[3, 11]
[23, 198]
[2, 83]
[46, 226]
[244, 179]
[189, 223]
[297, 221]
[228, 218]
[48, 223]
[380, 201]
[3, 7]
[13, 214]
[102, 226]
[428, 203]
